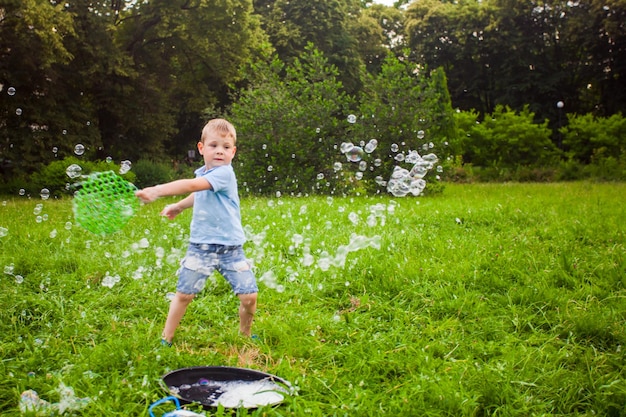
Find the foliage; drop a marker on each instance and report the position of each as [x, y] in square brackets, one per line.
[489, 299]
[289, 129]
[587, 138]
[504, 52]
[150, 173]
[127, 80]
[506, 139]
[332, 26]
[133, 80]
[405, 108]
[55, 178]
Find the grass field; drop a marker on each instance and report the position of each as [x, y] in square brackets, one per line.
[487, 300]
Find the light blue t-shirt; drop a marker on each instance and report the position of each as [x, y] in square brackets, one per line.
[216, 214]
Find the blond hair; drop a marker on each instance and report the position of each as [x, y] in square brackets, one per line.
[220, 126]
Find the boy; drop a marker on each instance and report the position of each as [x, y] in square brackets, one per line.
[216, 234]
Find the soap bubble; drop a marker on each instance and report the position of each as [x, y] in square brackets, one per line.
[351, 118]
[79, 149]
[22, 191]
[394, 147]
[125, 166]
[413, 157]
[11, 91]
[110, 280]
[431, 158]
[418, 171]
[337, 166]
[44, 193]
[371, 145]
[73, 171]
[346, 147]
[18, 111]
[420, 134]
[355, 154]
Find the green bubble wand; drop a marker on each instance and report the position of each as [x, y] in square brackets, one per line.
[105, 203]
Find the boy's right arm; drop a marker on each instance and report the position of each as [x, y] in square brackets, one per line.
[178, 187]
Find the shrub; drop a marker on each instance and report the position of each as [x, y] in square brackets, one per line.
[54, 175]
[587, 138]
[149, 173]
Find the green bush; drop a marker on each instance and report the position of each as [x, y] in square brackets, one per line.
[506, 139]
[14, 185]
[587, 138]
[289, 127]
[150, 173]
[54, 176]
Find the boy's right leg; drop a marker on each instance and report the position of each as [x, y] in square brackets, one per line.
[178, 306]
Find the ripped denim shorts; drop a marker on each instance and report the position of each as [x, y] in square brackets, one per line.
[202, 259]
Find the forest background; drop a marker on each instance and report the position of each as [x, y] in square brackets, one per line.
[500, 90]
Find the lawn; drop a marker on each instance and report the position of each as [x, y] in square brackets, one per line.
[488, 299]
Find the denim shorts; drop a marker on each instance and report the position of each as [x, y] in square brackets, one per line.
[202, 259]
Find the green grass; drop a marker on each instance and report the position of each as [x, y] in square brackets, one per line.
[499, 300]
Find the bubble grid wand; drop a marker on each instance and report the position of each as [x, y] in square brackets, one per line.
[105, 203]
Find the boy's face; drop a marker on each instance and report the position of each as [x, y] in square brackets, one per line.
[217, 149]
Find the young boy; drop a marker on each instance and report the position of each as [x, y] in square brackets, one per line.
[216, 234]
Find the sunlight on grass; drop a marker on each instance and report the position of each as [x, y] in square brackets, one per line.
[503, 299]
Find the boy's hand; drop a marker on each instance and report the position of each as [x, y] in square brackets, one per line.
[171, 211]
[148, 194]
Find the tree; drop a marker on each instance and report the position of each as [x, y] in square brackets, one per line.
[505, 52]
[379, 30]
[290, 128]
[32, 46]
[293, 24]
[405, 108]
[181, 70]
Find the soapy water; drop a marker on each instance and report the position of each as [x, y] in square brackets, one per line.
[232, 394]
[31, 402]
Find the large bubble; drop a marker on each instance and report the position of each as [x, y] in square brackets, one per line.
[355, 154]
[73, 171]
[371, 145]
[125, 166]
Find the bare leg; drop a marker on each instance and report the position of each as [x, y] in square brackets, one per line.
[247, 308]
[178, 306]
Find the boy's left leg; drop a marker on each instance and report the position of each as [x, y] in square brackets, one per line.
[247, 308]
